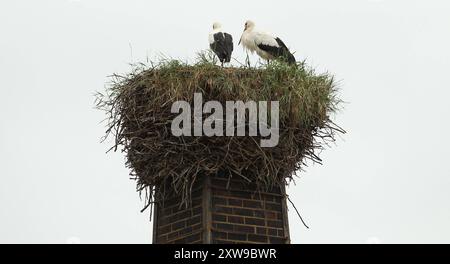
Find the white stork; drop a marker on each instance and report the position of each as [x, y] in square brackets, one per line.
[221, 43]
[264, 44]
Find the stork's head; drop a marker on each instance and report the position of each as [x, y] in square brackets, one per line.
[217, 25]
[249, 25]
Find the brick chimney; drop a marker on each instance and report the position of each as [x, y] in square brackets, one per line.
[223, 211]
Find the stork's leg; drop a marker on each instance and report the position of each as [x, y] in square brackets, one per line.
[247, 60]
[221, 63]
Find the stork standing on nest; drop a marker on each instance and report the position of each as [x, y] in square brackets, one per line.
[264, 44]
[221, 43]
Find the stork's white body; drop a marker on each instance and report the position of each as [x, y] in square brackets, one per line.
[251, 38]
[266, 45]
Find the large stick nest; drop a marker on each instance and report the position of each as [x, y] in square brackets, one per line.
[139, 118]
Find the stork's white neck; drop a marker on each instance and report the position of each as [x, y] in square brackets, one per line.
[217, 29]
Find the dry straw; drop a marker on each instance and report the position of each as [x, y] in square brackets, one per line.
[139, 119]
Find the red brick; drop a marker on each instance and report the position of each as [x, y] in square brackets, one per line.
[244, 229]
[254, 221]
[235, 219]
[173, 235]
[197, 210]
[220, 241]
[252, 204]
[272, 232]
[236, 236]
[234, 202]
[219, 218]
[281, 233]
[194, 220]
[276, 240]
[218, 235]
[219, 201]
[178, 225]
[164, 229]
[278, 224]
[273, 206]
[271, 215]
[192, 238]
[185, 231]
[261, 231]
[240, 215]
[225, 227]
[259, 213]
[257, 238]
[225, 210]
[242, 212]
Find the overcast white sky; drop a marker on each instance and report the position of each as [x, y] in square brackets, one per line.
[387, 181]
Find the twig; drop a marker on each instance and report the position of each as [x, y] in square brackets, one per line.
[298, 213]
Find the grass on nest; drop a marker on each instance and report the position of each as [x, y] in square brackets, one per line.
[138, 112]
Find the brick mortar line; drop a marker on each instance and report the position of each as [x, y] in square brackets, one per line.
[237, 233]
[182, 237]
[180, 212]
[241, 241]
[184, 219]
[238, 198]
[178, 205]
[250, 217]
[226, 180]
[243, 216]
[241, 207]
[247, 191]
[264, 226]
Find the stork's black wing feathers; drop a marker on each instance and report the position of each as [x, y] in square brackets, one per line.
[222, 46]
[280, 51]
[229, 46]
